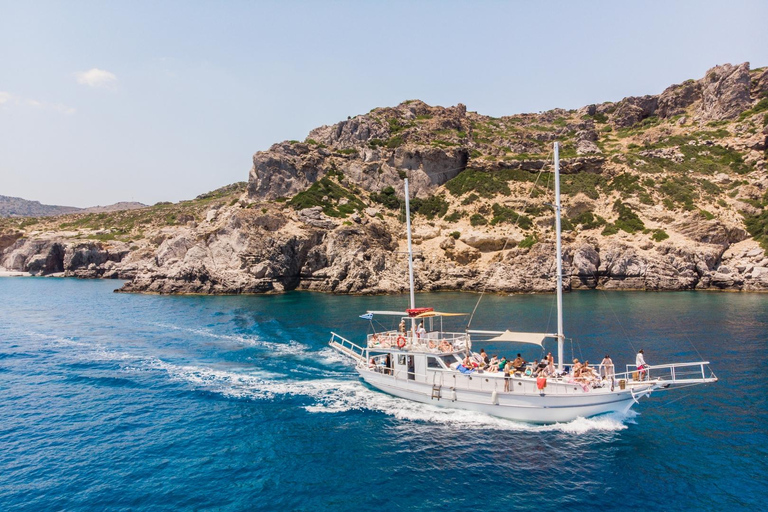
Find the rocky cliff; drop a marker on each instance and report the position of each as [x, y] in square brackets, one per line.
[660, 192]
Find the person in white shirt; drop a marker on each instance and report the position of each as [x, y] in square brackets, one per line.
[641, 365]
[421, 332]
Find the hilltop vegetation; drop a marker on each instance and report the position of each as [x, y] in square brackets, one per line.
[659, 192]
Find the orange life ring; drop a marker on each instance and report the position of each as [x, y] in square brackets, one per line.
[400, 342]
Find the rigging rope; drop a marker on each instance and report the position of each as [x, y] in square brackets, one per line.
[506, 241]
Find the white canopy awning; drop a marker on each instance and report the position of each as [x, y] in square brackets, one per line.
[534, 338]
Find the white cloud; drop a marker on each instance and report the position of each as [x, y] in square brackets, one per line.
[96, 78]
[7, 99]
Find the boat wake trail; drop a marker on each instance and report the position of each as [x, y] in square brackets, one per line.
[290, 348]
[332, 396]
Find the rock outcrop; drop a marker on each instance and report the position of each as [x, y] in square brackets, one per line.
[668, 205]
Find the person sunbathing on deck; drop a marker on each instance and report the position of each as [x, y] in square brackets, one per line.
[519, 363]
[445, 346]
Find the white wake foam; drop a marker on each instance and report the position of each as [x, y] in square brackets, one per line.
[290, 348]
[337, 396]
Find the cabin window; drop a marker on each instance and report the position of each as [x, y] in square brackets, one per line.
[448, 360]
[401, 360]
[434, 363]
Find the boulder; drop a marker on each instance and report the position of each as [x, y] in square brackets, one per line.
[487, 243]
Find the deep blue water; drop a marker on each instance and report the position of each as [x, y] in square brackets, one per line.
[130, 402]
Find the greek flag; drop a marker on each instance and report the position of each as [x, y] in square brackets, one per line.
[367, 316]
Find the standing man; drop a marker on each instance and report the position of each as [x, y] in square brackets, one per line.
[641, 365]
[421, 332]
[606, 369]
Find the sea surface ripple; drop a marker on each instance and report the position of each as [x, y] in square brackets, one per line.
[130, 402]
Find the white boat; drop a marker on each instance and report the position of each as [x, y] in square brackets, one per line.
[428, 367]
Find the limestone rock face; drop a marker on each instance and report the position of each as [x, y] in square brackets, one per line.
[725, 92]
[585, 263]
[372, 150]
[675, 99]
[350, 133]
[43, 257]
[760, 85]
[634, 109]
[285, 170]
[709, 231]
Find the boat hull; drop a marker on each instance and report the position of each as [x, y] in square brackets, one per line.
[548, 406]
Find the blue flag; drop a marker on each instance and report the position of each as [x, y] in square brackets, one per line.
[367, 316]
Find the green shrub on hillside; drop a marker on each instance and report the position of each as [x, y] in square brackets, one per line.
[757, 225]
[478, 220]
[386, 197]
[659, 235]
[588, 220]
[680, 190]
[471, 198]
[486, 184]
[584, 182]
[453, 217]
[628, 220]
[626, 184]
[528, 241]
[509, 216]
[431, 207]
[327, 194]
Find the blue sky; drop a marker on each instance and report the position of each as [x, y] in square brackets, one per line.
[161, 101]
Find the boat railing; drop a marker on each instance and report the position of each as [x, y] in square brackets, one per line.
[670, 374]
[449, 379]
[347, 347]
[434, 341]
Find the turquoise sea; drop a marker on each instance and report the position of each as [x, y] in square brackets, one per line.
[136, 402]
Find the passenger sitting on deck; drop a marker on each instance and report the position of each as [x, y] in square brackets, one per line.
[478, 359]
[576, 368]
[550, 370]
[541, 367]
[518, 363]
[445, 346]
[484, 356]
[432, 344]
[493, 364]
[401, 328]
[466, 366]
[372, 364]
[502, 363]
[529, 371]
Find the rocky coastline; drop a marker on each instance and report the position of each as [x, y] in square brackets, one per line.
[661, 192]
